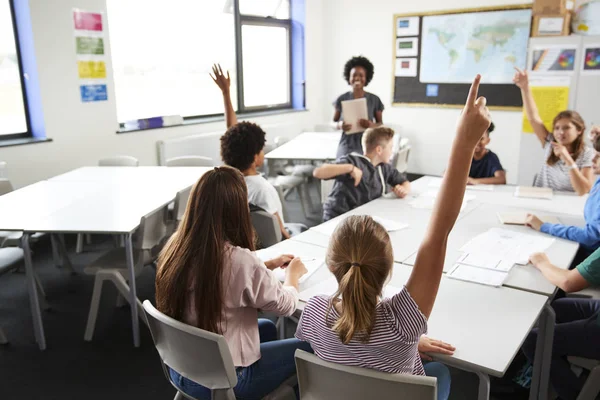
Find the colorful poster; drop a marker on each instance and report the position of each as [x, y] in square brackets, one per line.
[553, 59]
[87, 21]
[93, 93]
[89, 45]
[591, 60]
[551, 97]
[91, 69]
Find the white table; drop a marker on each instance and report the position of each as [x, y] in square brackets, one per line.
[111, 200]
[311, 146]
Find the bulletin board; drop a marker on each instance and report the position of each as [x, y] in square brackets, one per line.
[437, 55]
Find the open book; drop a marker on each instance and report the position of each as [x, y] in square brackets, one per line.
[534, 192]
[518, 218]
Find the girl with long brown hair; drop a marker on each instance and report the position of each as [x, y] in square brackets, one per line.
[569, 161]
[356, 326]
[209, 277]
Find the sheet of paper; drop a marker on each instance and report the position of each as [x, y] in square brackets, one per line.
[507, 245]
[485, 261]
[353, 111]
[426, 200]
[519, 218]
[327, 228]
[312, 265]
[534, 192]
[327, 287]
[437, 183]
[483, 276]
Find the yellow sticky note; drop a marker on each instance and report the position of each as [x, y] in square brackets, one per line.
[550, 100]
[91, 69]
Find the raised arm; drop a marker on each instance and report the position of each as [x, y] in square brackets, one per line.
[425, 278]
[223, 83]
[521, 79]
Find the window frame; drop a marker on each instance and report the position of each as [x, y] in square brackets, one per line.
[28, 133]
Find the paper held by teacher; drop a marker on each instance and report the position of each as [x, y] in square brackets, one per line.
[353, 111]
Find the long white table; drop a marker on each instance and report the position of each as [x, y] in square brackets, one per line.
[107, 200]
[310, 146]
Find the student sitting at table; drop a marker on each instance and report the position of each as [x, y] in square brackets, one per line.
[242, 147]
[360, 179]
[577, 329]
[485, 167]
[209, 277]
[357, 326]
[589, 235]
[568, 165]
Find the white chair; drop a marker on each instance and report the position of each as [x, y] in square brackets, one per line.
[190, 161]
[320, 379]
[326, 188]
[179, 206]
[591, 387]
[112, 266]
[119, 161]
[12, 238]
[200, 356]
[400, 160]
[266, 227]
[5, 186]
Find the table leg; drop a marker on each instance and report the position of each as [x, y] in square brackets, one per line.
[55, 251]
[543, 355]
[34, 303]
[62, 248]
[135, 326]
[484, 386]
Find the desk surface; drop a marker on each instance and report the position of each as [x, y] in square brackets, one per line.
[308, 146]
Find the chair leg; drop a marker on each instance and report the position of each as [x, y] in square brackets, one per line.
[123, 288]
[3, 339]
[88, 239]
[79, 245]
[121, 301]
[39, 285]
[178, 396]
[591, 388]
[94, 305]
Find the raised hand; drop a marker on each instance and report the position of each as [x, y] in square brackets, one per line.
[521, 79]
[219, 78]
[475, 118]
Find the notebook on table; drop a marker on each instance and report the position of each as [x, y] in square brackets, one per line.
[519, 218]
[534, 192]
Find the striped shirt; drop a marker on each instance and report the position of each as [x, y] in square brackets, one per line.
[556, 177]
[392, 346]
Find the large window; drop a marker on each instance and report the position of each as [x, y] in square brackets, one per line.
[162, 53]
[13, 116]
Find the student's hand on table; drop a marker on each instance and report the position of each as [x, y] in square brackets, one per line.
[400, 191]
[356, 174]
[429, 345]
[296, 268]
[280, 262]
[365, 123]
[521, 79]
[475, 118]
[533, 222]
[220, 79]
[538, 259]
[472, 181]
[561, 152]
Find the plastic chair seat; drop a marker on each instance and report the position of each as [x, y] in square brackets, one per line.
[287, 181]
[9, 257]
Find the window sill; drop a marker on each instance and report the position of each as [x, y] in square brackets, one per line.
[219, 118]
[22, 141]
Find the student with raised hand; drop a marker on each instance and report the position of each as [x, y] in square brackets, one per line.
[568, 165]
[242, 147]
[358, 72]
[356, 326]
[587, 236]
[360, 179]
[577, 326]
[208, 276]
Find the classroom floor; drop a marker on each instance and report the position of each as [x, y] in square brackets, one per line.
[109, 367]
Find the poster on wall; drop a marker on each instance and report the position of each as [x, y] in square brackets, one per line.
[554, 59]
[90, 55]
[551, 95]
[591, 60]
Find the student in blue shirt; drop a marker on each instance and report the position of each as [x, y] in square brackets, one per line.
[589, 235]
[485, 167]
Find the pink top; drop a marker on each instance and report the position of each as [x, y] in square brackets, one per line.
[248, 287]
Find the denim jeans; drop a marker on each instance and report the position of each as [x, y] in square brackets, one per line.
[442, 373]
[576, 333]
[275, 366]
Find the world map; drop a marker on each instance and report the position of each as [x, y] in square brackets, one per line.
[456, 47]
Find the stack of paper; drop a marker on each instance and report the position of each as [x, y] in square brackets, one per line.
[534, 192]
[483, 276]
[312, 265]
[327, 228]
[519, 218]
[353, 111]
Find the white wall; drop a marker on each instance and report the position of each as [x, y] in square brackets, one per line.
[83, 133]
[358, 27]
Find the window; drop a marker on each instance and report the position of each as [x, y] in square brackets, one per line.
[13, 114]
[162, 54]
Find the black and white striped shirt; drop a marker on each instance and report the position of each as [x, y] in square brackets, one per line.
[392, 346]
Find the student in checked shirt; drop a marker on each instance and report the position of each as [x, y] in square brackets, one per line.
[356, 326]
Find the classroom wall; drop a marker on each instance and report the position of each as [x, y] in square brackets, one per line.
[83, 133]
[357, 27]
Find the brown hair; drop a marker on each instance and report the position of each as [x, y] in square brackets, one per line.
[378, 136]
[579, 143]
[217, 213]
[597, 143]
[360, 257]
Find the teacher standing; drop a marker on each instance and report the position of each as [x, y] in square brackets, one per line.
[358, 72]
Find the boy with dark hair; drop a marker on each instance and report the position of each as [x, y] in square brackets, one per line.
[486, 167]
[360, 179]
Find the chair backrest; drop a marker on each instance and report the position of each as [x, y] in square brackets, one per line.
[267, 228]
[203, 144]
[119, 161]
[401, 161]
[181, 200]
[320, 379]
[190, 161]
[196, 354]
[5, 186]
[324, 128]
[152, 230]
[326, 187]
